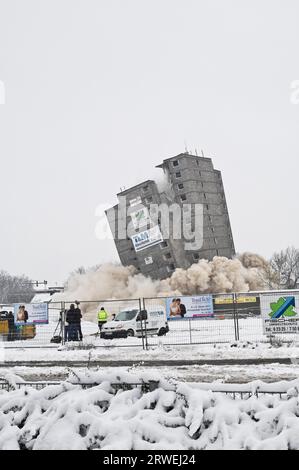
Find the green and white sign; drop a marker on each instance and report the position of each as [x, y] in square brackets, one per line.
[140, 218]
[280, 313]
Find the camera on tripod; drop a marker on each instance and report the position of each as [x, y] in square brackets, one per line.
[57, 338]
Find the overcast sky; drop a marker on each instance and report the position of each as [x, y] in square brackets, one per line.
[98, 92]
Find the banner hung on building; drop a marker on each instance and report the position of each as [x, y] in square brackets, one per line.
[200, 306]
[147, 238]
[280, 313]
[140, 218]
[31, 313]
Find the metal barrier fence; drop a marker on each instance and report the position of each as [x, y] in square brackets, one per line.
[232, 390]
[28, 335]
[235, 317]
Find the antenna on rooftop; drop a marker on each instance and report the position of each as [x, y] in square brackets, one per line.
[202, 153]
[196, 152]
[186, 148]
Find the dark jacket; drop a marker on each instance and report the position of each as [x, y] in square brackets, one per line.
[11, 321]
[78, 315]
[73, 316]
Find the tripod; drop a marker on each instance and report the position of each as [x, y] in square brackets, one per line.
[57, 338]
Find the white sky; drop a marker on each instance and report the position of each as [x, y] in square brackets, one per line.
[98, 92]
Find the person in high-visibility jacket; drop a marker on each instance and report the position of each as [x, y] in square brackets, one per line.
[102, 318]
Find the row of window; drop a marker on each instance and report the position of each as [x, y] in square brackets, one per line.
[176, 163]
[181, 186]
[171, 267]
[195, 256]
[183, 198]
[178, 174]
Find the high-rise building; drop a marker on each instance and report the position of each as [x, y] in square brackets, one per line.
[194, 193]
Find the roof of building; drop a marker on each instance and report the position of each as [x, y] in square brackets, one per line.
[126, 191]
[185, 154]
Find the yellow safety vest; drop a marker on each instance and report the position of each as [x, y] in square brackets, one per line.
[102, 315]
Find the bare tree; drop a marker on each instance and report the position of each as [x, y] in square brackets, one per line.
[265, 273]
[286, 266]
[81, 271]
[15, 288]
[269, 277]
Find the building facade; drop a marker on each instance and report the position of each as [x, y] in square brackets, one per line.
[141, 240]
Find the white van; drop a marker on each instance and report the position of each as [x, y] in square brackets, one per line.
[128, 323]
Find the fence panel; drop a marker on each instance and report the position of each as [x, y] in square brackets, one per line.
[121, 333]
[249, 318]
[209, 319]
[218, 327]
[28, 335]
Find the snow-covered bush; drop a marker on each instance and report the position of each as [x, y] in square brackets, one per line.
[170, 416]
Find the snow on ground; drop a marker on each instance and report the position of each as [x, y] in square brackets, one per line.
[236, 374]
[172, 416]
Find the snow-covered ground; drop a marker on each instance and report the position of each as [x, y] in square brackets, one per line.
[193, 416]
[236, 374]
[175, 415]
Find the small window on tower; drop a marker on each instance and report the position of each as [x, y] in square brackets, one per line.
[175, 163]
[178, 174]
[183, 197]
[170, 267]
[196, 256]
[163, 245]
[181, 186]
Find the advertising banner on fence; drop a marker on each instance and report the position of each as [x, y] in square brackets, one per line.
[147, 238]
[200, 306]
[224, 300]
[280, 313]
[31, 313]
